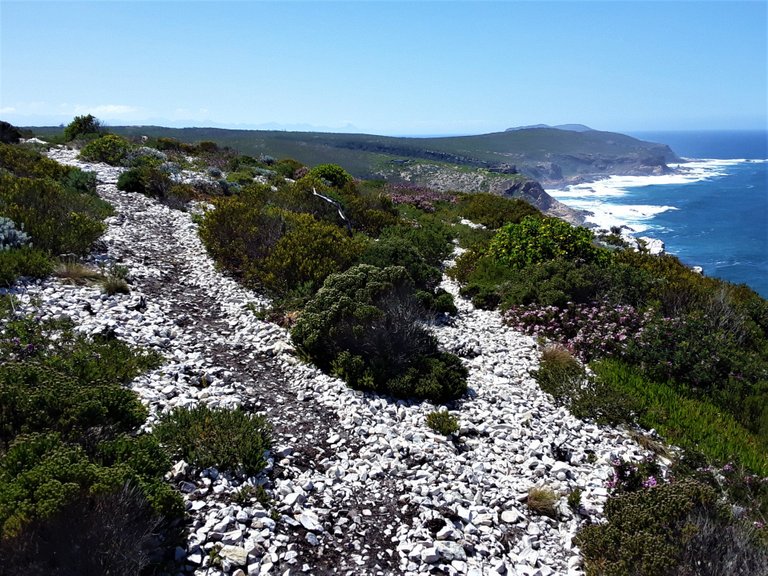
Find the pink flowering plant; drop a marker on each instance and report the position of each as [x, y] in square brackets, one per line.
[634, 476]
[418, 196]
[589, 331]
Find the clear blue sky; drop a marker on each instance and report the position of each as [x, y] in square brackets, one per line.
[387, 67]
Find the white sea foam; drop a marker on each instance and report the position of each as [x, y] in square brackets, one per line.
[595, 197]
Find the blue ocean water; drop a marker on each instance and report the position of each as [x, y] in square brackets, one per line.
[713, 213]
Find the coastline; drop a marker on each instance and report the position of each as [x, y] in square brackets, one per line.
[704, 216]
[595, 197]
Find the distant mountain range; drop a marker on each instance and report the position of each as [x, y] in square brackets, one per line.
[571, 127]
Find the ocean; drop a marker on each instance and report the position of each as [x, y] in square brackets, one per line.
[713, 212]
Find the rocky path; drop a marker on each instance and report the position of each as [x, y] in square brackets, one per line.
[359, 484]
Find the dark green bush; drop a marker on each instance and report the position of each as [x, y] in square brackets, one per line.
[670, 529]
[334, 174]
[398, 251]
[363, 325]
[109, 148]
[9, 134]
[431, 237]
[82, 126]
[113, 532]
[208, 437]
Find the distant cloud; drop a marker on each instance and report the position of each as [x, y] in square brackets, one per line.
[7, 110]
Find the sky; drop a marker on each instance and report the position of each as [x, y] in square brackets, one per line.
[398, 68]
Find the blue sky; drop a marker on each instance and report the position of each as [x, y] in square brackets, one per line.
[387, 67]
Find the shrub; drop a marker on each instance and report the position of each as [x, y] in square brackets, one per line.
[669, 529]
[590, 331]
[209, 437]
[334, 174]
[82, 126]
[109, 148]
[494, 211]
[536, 240]
[145, 179]
[306, 254]
[574, 499]
[398, 251]
[27, 163]
[241, 232]
[543, 500]
[10, 236]
[119, 524]
[24, 261]
[562, 376]
[9, 134]
[443, 422]
[687, 422]
[363, 325]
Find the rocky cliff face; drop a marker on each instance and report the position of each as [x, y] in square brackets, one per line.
[461, 179]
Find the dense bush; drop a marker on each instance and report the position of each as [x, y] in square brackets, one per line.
[537, 239]
[590, 331]
[306, 254]
[25, 261]
[27, 163]
[494, 211]
[82, 126]
[363, 325]
[669, 529]
[113, 532]
[694, 424]
[398, 251]
[9, 134]
[109, 148]
[65, 421]
[334, 174]
[208, 437]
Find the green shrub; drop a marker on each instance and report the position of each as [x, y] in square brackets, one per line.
[69, 384]
[431, 237]
[574, 499]
[334, 174]
[241, 232]
[670, 529]
[27, 163]
[209, 437]
[58, 221]
[82, 126]
[24, 261]
[363, 325]
[307, 252]
[109, 148]
[398, 251]
[561, 375]
[442, 422]
[536, 240]
[494, 211]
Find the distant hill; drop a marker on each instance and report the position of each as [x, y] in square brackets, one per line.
[500, 162]
[571, 127]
